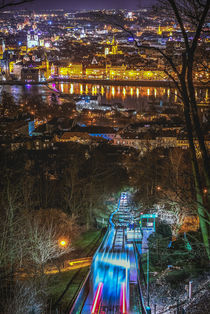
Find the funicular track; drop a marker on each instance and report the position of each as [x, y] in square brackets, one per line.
[119, 240]
[112, 278]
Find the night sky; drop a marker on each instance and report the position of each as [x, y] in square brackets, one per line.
[87, 4]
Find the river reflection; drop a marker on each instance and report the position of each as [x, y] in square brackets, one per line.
[132, 97]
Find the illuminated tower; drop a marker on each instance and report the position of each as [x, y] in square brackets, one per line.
[106, 51]
[34, 26]
[32, 40]
[94, 61]
[114, 46]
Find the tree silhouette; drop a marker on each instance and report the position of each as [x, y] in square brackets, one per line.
[11, 3]
[193, 14]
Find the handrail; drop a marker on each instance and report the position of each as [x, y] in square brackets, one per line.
[108, 229]
[81, 290]
[140, 264]
[138, 280]
[112, 214]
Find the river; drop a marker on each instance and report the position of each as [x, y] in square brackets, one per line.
[131, 97]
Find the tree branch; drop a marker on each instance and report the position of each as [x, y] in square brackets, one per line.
[13, 3]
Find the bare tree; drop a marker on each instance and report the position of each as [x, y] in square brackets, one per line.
[194, 14]
[42, 240]
[27, 297]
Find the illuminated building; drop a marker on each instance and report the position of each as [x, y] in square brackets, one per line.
[2, 49]
[30, 75]
[111, 48]
[89, 102]
[95, 71]
[145, 144]
[17, 67]
[32, 40]
[41, 42]
[115, 72]
[11, 67]
[79, 137]
[23, 50]
[74, 70]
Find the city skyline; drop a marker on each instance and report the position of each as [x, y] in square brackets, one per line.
[87, 5]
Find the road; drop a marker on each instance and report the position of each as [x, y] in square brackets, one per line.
[113, 271]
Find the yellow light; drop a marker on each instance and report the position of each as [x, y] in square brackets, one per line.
[113, 91]
[175, 95]
[168, 92]
[155, 92]
[62, 242]
[137, 92]
[81, 89]
[148, 91]
[131, 91]
[71, 89]
[206, 94]
[148, 73]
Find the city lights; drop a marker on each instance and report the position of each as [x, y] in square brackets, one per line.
[105, 138]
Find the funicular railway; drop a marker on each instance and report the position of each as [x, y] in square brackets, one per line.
[112, 286]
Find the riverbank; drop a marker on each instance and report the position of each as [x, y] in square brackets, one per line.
[145, 83]
[106, 82]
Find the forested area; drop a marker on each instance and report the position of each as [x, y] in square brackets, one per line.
[47, 196]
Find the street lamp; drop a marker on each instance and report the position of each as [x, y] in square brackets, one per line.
[205, 191]
[63, 242]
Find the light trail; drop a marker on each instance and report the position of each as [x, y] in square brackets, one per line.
[97, 298]
[123, 298]
[110, 219]
[111, 266]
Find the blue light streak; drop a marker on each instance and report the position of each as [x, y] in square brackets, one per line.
[110, 218]
[113, 265]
